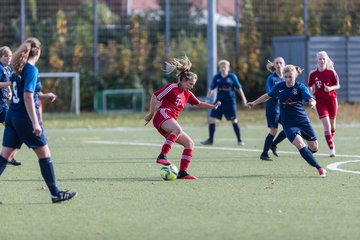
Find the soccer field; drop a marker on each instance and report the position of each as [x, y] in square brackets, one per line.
[237, 196]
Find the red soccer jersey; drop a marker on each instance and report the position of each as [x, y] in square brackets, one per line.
[327, 77]
[175, 99]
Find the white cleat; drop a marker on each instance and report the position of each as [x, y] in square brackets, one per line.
[332, 152]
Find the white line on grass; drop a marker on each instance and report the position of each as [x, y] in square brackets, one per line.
[240, 149]
[332, 166]
[335, 166]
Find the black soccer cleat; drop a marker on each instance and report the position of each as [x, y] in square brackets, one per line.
[273, 148]
[63, 196]
[207, 142]
[14, 162]
[265, 157]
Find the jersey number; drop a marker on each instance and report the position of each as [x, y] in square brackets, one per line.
[15, 97]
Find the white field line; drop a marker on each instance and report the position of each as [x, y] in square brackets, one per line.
[332, 166]
[239, 149]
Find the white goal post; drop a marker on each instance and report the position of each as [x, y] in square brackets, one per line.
[75, 90]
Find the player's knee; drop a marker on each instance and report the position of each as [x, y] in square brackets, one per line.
[189, 144]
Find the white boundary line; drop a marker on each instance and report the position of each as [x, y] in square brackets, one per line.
[335, 166]
[332, 166]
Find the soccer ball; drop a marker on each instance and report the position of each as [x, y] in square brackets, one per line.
[169, 172]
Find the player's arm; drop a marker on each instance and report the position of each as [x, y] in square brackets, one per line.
[261, 99]
[30, 109]
[9, 92]
[152, 108]
[47, 96]
[208, 95]
[208, 105]
[5, 84]
[242, 95]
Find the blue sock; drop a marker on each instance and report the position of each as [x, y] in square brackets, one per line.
[237, 131]
[268, 141]
[3, 164]
[309, 157]
[48, 173]
[281, 136]
[211, 131]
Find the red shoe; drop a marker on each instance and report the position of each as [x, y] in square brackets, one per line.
[163, 160]
[322, 172]
[185, 175]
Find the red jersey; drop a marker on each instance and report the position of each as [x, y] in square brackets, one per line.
[327, 77]
[175, 99]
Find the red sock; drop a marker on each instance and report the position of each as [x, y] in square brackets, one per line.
[332, 132]
[185, 159]
[170, 140]
[330, 141]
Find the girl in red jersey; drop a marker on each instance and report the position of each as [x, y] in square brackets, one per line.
[325, 82]
[173, 98]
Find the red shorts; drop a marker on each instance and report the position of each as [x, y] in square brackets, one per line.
[327, 107]
[161, 116]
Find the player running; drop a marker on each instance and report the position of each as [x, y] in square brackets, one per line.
[296, 124]
[325, 81]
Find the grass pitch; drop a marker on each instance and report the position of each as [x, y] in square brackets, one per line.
[237, 196]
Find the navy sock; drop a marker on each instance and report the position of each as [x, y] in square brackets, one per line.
[281, 136]
[48, 173]
[237, 131]
[309, 157]
[268, 141]
[211, 131]
[3, 164]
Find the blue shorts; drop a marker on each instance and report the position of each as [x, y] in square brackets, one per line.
[273, 120]
[228, 110]
[3, 110]
[18, 130]
[305, 130]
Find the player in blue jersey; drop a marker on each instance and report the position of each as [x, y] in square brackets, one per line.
[22, 119]
[227, 84]
[5, 83]
[296, 124]
[272, 109]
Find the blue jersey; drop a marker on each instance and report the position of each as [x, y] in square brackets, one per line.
[291, 100]
[27, 82]
[226, 87]
[272, 105]
[5, 73]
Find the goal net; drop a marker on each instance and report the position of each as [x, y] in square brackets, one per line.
[120, 100]
[67, 92]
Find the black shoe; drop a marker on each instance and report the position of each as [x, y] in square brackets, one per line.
[14, 162]
[273, 149]
[207, 142]
[63, 196]
[265, 157]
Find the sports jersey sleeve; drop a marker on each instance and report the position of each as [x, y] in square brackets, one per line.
[213, 83]
[162, 92]
[192, 99]
[30, 75]
[335, 78]
[236, 81]
[311, 80]
[305, 94]
[269, 83]
[274, 92]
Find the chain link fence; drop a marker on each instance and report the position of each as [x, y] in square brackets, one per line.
[129, 43]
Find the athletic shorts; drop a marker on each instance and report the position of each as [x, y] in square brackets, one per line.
[3, 111]
[305, 130]
[327, 108]
[19, 130]
[160, 117]
[226, 109]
